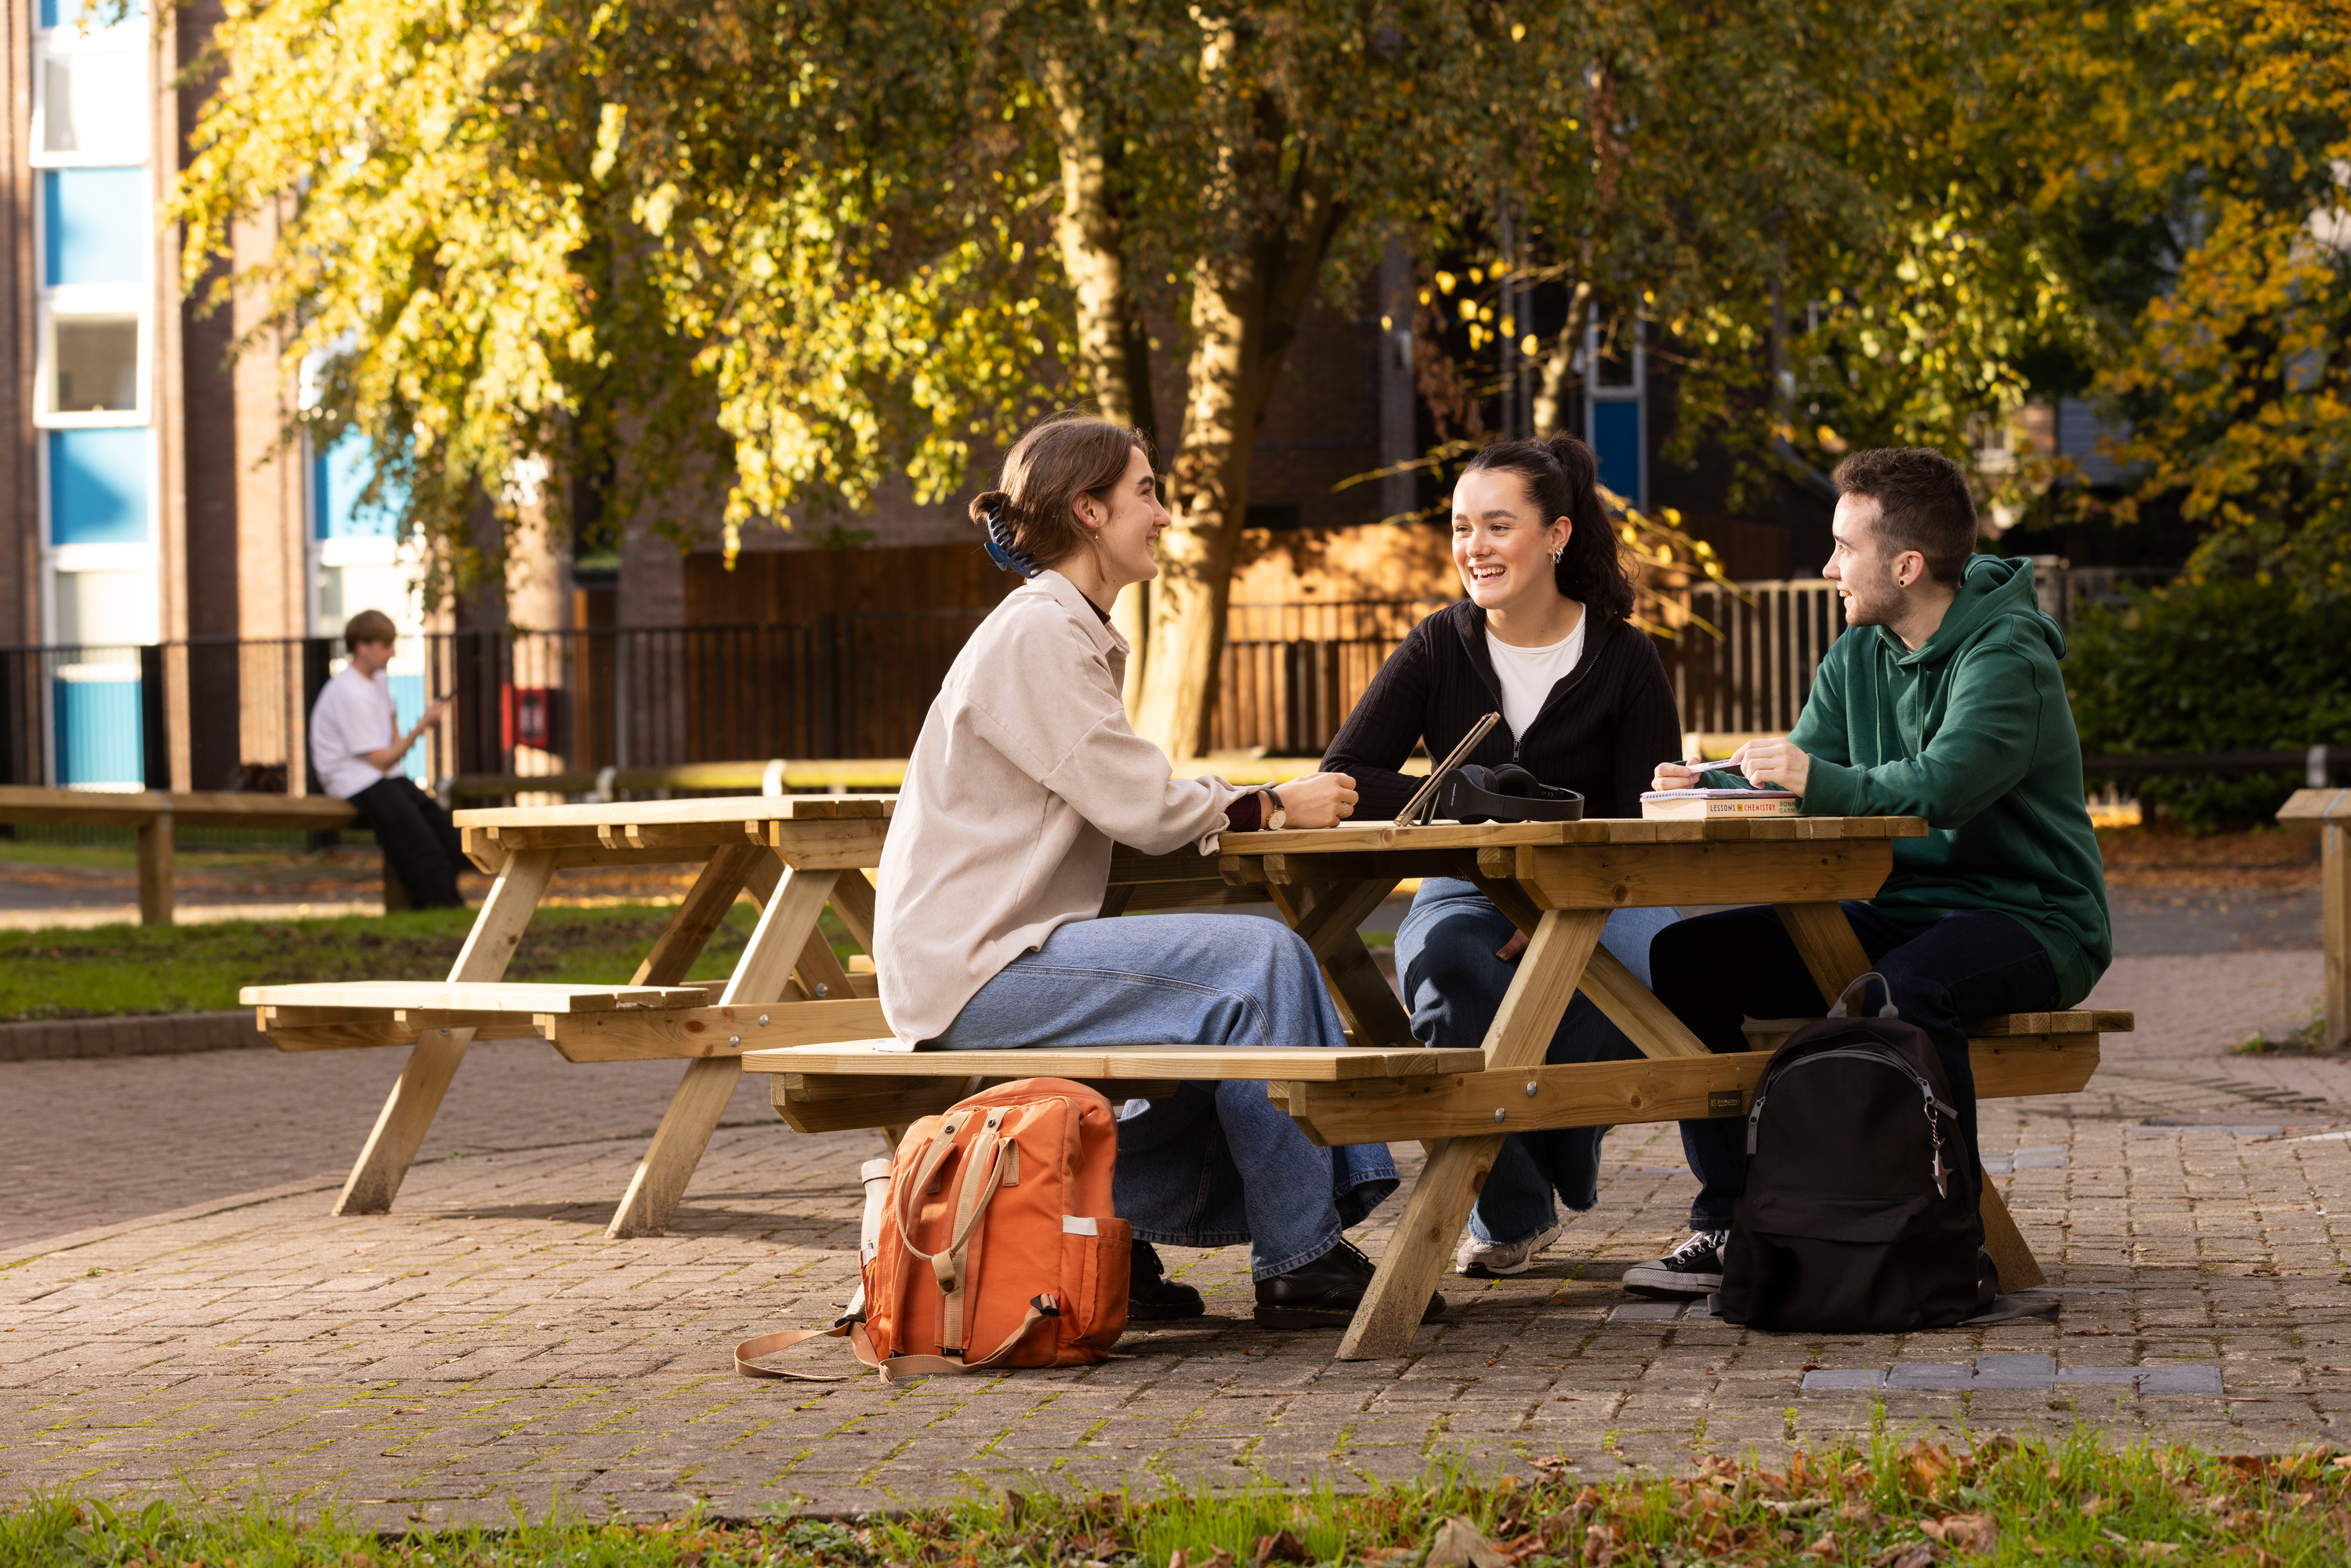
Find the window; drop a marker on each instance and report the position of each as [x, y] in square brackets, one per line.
[93, 364]
[90, 107]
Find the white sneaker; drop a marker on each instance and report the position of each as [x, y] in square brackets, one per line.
[1497, 1260]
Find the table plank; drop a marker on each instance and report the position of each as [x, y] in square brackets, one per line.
[481, 996]
[1620, 876]
[409, 1110]
[1623, 1093]
[1590, 831]
[713, 808]
[1179, 1062]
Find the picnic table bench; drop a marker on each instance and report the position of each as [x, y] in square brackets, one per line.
[2326, 814]
[794, 855]
[1558, 882]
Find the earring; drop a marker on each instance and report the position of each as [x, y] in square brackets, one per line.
[1557, 553]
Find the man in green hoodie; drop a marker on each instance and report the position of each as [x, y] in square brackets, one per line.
[1944, 701]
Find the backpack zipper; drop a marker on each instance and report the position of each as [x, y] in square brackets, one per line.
[1883, 1057]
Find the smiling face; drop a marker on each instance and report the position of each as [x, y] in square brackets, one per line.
[1870, 579]
[1125, 522]
[1502, 542]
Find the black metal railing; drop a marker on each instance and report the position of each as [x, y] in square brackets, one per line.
[220, 713]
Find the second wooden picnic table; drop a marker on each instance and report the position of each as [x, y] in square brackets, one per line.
[793, 854]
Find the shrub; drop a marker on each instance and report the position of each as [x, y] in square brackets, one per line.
[2231, 665]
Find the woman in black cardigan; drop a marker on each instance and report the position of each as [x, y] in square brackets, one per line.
[1543, 639]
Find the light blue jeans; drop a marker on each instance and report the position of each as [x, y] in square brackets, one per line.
[1214, 1164]
[1453, 984]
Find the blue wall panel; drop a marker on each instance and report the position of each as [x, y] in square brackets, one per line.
[341, 473]
[407, 707]
[99, 732]
[95, 226]
[97, 486]
[1616, 442]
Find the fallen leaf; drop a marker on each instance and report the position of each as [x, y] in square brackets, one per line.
[1905, 1554]
[1825, 1548]
[1458, 1543]
[1281, 1547]
[1964, 1531]
[2152, 1551]
[1792, 1508]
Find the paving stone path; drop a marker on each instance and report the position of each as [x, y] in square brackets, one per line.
[484, 1349]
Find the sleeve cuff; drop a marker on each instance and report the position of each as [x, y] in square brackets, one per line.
[1832, 789]
[1246, 814]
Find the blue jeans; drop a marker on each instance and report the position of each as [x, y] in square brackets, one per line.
[1214, 1164]
[1454, 985]
[1718, 969]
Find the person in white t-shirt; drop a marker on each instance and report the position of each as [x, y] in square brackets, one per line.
[356, 746]
[1544, 635]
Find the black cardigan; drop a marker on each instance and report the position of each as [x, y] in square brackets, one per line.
[1602, 730]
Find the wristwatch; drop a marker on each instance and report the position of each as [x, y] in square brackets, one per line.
[1275, 815]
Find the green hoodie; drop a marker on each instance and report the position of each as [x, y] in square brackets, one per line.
[1973, 733]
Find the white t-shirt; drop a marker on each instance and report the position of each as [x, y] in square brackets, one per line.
[353, 715]
[1527, 675]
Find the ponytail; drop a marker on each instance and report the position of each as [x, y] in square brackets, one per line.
[1562, 480]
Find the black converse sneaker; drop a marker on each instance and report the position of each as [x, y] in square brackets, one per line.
[1692, 1269]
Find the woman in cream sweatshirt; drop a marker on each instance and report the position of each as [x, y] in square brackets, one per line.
[985, 935]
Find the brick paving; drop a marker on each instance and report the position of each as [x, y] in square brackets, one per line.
[484, 1349]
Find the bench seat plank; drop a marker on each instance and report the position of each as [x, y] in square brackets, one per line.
[1178, 1063]
[1620, 1093]
[502, 998]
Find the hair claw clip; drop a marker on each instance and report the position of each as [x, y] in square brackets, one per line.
[1000, 546]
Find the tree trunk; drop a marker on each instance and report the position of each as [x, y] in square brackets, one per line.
[1246, 306]
[1113, 342]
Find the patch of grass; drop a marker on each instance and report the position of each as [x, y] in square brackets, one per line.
[1888, 1503]
[2305, 1039]
[116, 969]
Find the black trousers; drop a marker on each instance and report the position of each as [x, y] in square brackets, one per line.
[1717, 970]
[418, 839]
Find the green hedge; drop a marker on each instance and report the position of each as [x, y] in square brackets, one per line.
[2234, 664]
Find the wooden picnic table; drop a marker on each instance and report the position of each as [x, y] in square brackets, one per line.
[794, 855]
[1558, 882]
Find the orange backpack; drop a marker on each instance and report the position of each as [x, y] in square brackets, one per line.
[990, 1244]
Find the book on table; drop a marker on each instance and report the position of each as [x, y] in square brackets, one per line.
[1711, 805]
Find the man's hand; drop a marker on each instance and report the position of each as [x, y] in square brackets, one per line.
[1773, 762]
[1318, 800]
[1674, 776]
[433, 712]
[1510, 950]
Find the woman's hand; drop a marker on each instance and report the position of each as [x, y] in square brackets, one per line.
[1674, 776]
[1318, 800]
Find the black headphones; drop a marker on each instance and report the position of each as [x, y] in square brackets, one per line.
[1510, 793]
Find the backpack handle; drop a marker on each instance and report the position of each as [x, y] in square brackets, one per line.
[1887, 1011]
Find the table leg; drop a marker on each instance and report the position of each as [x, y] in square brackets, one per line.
[2019, 1269]
[1326, 915]
[401, 1126]
[699, 916]
[1545, 982]
[2335, 903]
[1824, 939]
[155, 870]
[789, 916]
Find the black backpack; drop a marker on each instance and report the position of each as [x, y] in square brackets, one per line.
[1860, 1213]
